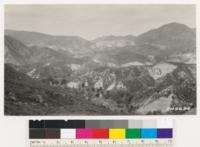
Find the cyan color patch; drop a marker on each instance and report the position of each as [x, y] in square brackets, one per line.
[149, 133]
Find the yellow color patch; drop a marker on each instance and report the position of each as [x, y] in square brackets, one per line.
[116, 133]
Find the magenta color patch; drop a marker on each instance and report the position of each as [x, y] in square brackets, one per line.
[83, 133]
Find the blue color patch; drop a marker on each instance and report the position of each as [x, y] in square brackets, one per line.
[148, 133]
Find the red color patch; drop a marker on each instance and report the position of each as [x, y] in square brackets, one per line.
[100, 133]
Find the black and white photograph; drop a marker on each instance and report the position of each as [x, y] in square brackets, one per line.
[98, 59]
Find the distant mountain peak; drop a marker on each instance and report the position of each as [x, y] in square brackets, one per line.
[174, 26]
[172, 36]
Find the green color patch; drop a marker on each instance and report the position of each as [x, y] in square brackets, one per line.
[133, 133]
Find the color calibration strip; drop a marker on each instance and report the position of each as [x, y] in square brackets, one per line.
[101, 129]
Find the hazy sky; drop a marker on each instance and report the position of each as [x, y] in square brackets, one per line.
[91, 21]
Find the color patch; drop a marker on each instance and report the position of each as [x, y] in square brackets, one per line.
[148, 133]
[68, 133]
[117, 133]
[120, 124]
[165, 123]
[133, 133]
[100, 133]
[76, 124]
[149, 124]
[52, 133]
[36, 124]
[92, 124]
[64, 124]
[106, 124]
[55, 124]
[84, 133]
[36, 133]
[135, 124]
[165, 133]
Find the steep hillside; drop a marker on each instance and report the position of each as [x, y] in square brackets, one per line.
[16, 52]
[26, 96]
[19, 54]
